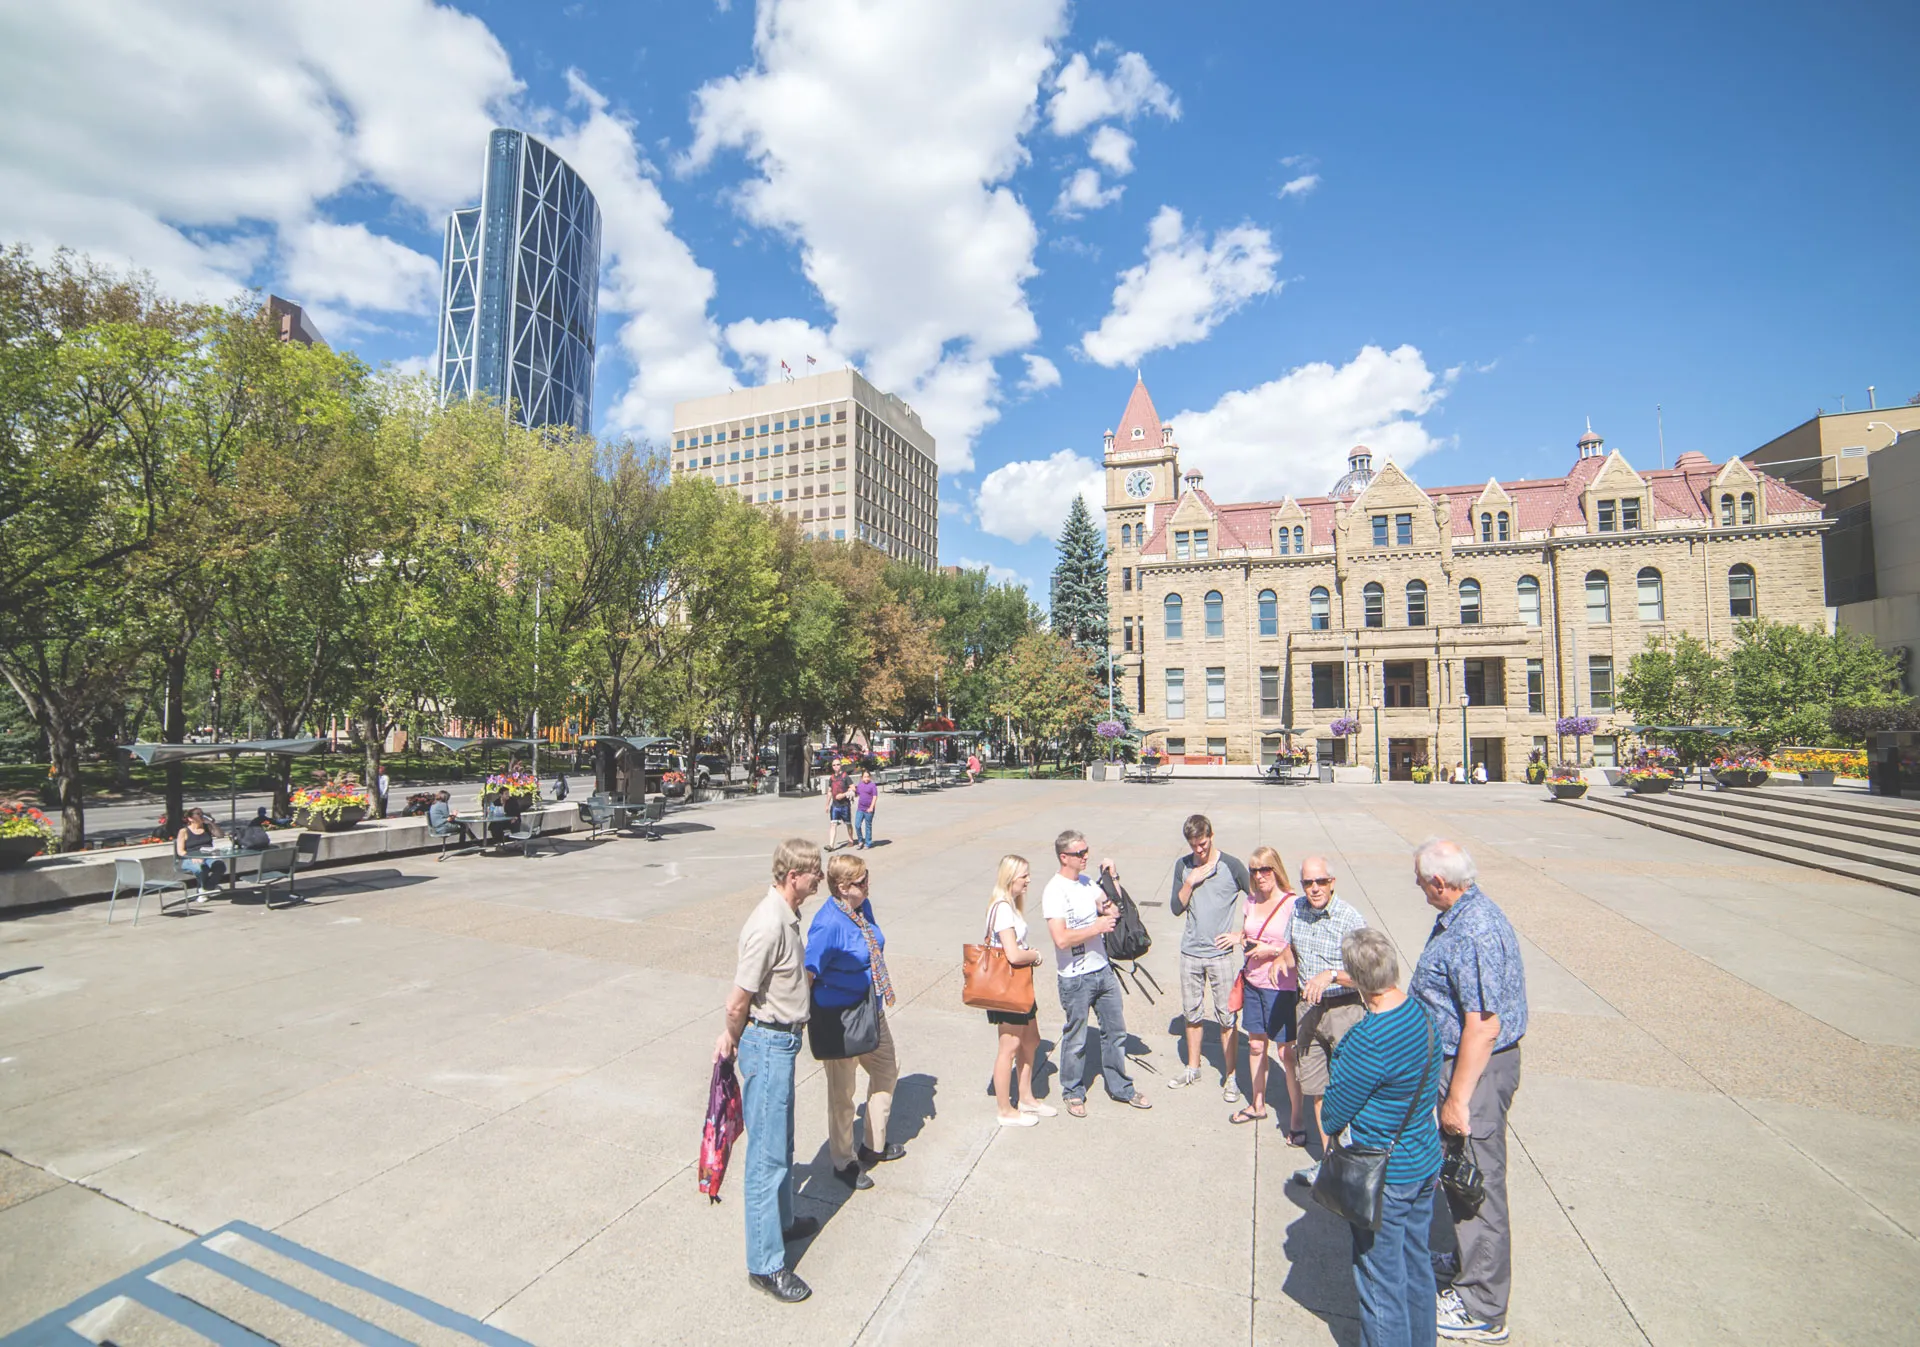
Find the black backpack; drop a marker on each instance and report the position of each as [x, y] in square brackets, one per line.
[1128, 940]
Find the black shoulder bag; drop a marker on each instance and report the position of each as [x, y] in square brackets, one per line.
[1353, 1179]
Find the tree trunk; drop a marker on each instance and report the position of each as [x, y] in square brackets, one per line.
[371, 731]
[175, 809]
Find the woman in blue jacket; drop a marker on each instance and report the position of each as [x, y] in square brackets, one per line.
[846, 953]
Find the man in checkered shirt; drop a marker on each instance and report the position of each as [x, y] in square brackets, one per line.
[1329, 1005]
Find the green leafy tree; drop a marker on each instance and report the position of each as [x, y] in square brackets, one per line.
[1786, 680]
[1677, 681]
[1078, 608]
[1044, 687]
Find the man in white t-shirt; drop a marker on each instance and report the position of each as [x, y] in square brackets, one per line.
[1078, 917]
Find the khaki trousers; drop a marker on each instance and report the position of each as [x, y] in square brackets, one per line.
[883, 1072]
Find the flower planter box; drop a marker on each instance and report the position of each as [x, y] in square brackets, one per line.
[1567, 790]
[1816, 778]
[1652, 785]
[1741, 780]
[344, 820]
[17, 851]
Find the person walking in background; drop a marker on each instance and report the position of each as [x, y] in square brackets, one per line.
[1471, 979]
[846, 953]
[381, 784]
[766, 1012]
[1384, 1081]
[1329, 1006]
[865, 796]
[1019, 1030]
[1208, 886]
[1078, 918]
[560, 787]
[839, 807]
[973, 766]
[1271, 991]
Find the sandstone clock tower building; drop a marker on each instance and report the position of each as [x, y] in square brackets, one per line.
[1143, 485]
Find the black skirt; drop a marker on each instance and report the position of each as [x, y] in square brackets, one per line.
[1014, 1017]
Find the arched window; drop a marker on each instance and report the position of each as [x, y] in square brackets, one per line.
[1319, 608]
[1285, 540]
[1376, 604]
[1172, 607]
[1269, 613]
[1653, 603]
[1726, 511]
[1742, 600]
[1529, 600]
[1126, 535]
[1746, 507]
[1299, 539]
[1416, 603]
[1486, 528]
[1215, 615]
[1504, 535]
[1469, 603]
[1599, 601]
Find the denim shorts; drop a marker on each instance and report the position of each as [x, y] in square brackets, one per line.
[1268, 1013]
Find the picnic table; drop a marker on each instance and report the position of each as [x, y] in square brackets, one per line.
[271, 865]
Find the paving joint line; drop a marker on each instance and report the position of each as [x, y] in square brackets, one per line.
[1580, 1235]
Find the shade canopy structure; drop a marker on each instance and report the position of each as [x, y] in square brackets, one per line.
[628, 743]
[159, 755]
[1284, 729]
[456, 745]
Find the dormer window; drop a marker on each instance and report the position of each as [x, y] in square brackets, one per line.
[1605, 520]
[1379, 530]
[1726, 511]
[1139, 432]
[1403, 529]
[1182, 545]
[1503, 526]
[1199, 544]
[1486, 528]
[1746, 507]
[1300, 539]
[1630, 513]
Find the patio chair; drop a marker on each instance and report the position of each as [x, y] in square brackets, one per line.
[599, 818]
[526, 831]
[277, 866]
[131, 874]
[656, 810]
[452, 834]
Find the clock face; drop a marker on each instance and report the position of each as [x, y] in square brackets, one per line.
[1139, 483]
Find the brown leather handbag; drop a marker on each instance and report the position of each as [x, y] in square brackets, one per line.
[989, 982]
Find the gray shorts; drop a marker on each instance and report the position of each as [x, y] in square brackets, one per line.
[1198, 975]
[1318, 1031]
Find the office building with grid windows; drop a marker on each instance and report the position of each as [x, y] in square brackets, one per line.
[844, 460]
[520, 287]
[1453, 624]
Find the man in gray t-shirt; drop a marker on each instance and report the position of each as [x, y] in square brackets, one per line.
[1208, 886]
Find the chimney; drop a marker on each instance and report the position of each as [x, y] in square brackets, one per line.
[1194, 478]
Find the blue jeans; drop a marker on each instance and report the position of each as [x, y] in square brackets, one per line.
[1393, 1273]
[863, 827]
[1081, 997]
[208, 871]
[766, 1086]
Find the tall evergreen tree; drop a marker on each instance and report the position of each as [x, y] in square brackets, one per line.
[1079, 602]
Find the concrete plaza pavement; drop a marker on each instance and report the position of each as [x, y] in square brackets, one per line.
[483, 1080]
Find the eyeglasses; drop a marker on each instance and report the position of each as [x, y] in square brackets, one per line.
[1315, 883]
[1260, 869]
[1077, 855]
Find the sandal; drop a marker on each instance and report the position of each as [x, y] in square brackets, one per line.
[1297, 1137]
[1247, 1115]
[1077, 1107]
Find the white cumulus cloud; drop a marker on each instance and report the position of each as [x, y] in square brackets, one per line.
[1185, 288]
[762, 343]
[1082, 193]
[1299, 186]
[999, 575]
[1042, 374]
[351, 265]
[1024, 500]
[1083, 95]
[914, 241]
[1113, 149]
[1292, 435]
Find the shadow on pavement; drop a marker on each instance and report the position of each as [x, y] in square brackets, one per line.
[1319, 1252]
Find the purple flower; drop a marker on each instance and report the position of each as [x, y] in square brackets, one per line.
[1109, 729]
[1344, 726]
[1577, 726]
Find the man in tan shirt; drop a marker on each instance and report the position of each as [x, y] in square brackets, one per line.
[766, 1013]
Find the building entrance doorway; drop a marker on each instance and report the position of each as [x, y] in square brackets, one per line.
[1492, 752]
[1401, 755]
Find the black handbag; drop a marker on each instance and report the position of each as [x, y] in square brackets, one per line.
[1461, 1180]
[1352, 1180]
[836, 1032]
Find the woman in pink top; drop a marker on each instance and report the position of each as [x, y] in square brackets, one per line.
[1271, 987]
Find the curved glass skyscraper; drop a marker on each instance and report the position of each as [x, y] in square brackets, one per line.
[520, 288]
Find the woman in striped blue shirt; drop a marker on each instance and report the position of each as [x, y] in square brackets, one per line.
[1377, 1087]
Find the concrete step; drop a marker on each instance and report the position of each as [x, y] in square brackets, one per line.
[1791, 818]
[1853, 862]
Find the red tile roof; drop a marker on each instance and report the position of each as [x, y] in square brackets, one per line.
[1139, 415]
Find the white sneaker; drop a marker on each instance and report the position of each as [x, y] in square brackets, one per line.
[1040, 1110]
[1190, 1076]
[1019, 1120]
[1228, 1093]
[1455, 1322]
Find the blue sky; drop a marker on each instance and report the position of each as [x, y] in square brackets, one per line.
[1502, 219]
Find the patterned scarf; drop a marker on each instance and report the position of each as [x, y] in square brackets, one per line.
[881, 982]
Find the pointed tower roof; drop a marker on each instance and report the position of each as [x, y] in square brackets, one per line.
[1140, 416]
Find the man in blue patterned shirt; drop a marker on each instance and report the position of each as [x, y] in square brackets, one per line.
[1473, 983]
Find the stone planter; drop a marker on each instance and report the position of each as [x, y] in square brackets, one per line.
[345, 820]
[1652, 785]
[17, 851]
[1567, 790]
[1741, 780]
[1816, 778]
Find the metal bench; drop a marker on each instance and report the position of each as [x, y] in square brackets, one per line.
[268, 867]
[601, 817]
[651, 816]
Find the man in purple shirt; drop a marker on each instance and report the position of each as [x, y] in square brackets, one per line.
[865, 796]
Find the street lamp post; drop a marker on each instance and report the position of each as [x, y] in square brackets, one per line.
[1376, 739]
[1466, 744]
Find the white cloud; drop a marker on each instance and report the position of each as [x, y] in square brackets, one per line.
[1042, 374]
[762, 344]
[1185, 288]
[649, 274]
[1024, 500]
[914, 241]
[999, 575]
[1292, 435]
[349, 264]
[1299, 186]
[1083, 95]
[1082, 193]
[1113, 148]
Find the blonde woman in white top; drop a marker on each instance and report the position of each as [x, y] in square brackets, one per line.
[1019, 1032]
